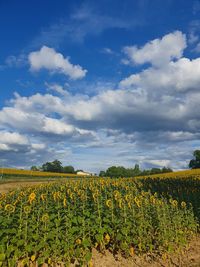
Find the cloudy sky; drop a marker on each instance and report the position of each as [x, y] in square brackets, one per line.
[99, 83]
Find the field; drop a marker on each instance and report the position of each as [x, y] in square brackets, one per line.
[6, 173]
[68, 221]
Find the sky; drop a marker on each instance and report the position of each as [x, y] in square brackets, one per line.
[99, 83]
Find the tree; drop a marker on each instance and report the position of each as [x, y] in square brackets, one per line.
[54, 166]
[68, 169]
[34, 168]
[102, 174]
[195, 163]
[136, 170]
[166, 170]
[116, 172]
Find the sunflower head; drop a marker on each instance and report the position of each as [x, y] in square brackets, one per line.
[45, 218]
[27, 209]
[10, 208]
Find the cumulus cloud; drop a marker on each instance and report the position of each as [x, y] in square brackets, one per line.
[158, 51]
[13, 142]
[48, 58]
[182, 75]
[151, 118]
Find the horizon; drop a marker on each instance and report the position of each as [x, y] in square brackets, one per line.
[99, 84]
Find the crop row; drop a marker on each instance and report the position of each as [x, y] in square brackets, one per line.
[62, 222]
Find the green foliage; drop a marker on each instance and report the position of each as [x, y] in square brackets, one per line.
[54, 166]
[195, 163]
[116, 172]
[62, 222]
[68, 169]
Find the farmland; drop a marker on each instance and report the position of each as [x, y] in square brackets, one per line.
[6, 173]
[63, 221]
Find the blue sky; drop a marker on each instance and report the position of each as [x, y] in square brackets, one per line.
[99, 83]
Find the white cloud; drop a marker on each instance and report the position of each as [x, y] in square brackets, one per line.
[37, 147]
[107, 50]
[55, 126]
[156, 119]
[13, 141]
[11, 138]
[48, 58]
[181, 75]
[158, 51]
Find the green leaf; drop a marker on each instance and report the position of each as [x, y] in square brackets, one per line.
[2, 257]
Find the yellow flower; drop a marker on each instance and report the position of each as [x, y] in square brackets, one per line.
[90, 264]
[65, 202]
[45, 217]
[183, 204]
[107, 238]
[109, 203]
[27, 209]
[131, 251]
[120, 203]
[33, 258]
[31, 197]
[43, 197]
[137, 202]
[78, 241]
[174, 203]
[9, 208]
[129, 205]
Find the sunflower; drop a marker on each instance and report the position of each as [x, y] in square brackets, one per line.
[45, 218]
[31, 197]
[27, 209]
[109, 203]
[9, 208]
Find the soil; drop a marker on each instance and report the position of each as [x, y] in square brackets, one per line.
[188, 257]
[11, 185]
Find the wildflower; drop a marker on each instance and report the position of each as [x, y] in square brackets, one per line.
[9, 208]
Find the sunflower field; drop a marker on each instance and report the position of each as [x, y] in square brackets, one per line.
[60, 223]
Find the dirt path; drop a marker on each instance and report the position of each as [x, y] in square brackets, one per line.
[11, 185]
[189, 257]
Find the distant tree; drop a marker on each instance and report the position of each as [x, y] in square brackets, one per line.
[136, 170]
[54, 166]
[116, 172]
[34, 168]
[68, 169]
[155, 171]
[166, 170]
[195, 163]
[102, 174]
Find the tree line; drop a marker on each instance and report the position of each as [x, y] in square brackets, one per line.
[115, 171]
[55, 166]
[120, 171]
